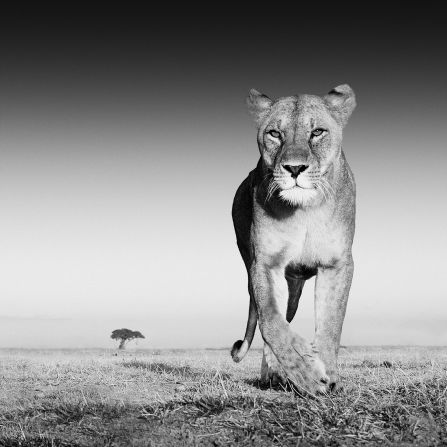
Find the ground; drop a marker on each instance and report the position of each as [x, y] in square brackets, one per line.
[392, 396]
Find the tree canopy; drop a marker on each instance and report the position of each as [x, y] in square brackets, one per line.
[125, 335]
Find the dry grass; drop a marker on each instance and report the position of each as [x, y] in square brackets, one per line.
[393, 396]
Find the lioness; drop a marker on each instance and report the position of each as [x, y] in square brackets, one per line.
[294, 218]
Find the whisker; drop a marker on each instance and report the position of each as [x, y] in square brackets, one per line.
[274, 189]
[330, 188]
[330, 193]
[267, 177]
[273, 186]
[322, 187]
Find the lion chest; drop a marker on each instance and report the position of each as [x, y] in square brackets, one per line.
[305, 239]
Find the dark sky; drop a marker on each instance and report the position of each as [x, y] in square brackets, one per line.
[123, 139]
[162, 68]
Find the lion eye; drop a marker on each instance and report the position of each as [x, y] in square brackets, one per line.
[274, 134]
[317, 132]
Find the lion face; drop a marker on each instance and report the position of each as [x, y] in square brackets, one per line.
[299, 138]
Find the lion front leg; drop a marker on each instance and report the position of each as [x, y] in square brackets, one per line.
[271, 370]
[331, 297]
[297, 358]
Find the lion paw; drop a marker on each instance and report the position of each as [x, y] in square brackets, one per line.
[304, 368]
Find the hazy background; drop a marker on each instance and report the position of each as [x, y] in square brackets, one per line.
[123, 140]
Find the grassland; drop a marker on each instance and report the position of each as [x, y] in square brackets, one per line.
[392, 396]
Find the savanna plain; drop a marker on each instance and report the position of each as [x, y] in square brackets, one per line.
[391, 396]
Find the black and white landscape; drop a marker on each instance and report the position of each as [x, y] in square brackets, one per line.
[122, 142]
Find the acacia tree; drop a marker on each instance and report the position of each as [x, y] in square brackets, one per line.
[124, 336]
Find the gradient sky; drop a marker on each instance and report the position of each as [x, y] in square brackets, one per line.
[123, 140]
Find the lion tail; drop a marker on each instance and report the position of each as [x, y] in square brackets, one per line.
[241, 347]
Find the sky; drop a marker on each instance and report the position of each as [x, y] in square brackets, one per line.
[122, 143]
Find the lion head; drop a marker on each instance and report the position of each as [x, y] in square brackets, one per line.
[299, 138]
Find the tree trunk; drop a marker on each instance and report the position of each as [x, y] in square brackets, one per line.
[122, 344]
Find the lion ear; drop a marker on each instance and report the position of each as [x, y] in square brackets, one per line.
[258, 105]
[341, 103]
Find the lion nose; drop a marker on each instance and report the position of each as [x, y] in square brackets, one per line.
[295, 170]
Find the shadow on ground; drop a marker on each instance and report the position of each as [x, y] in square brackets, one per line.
[183, 371]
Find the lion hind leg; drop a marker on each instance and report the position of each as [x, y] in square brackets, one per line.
[271, 371]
